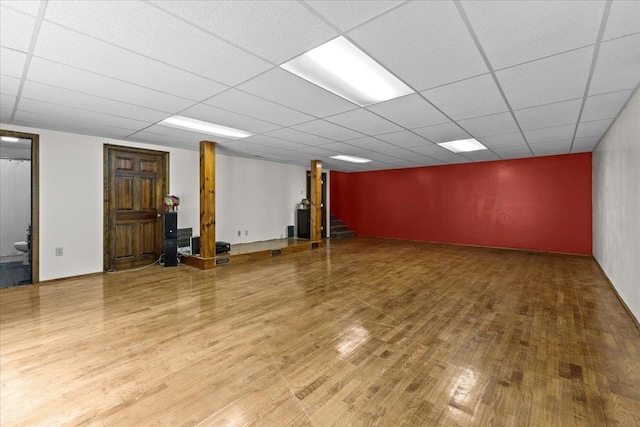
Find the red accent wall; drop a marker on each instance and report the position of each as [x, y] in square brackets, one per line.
[541, 203]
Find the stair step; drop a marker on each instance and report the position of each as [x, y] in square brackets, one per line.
[343, 234]
[335, 222]
[339, 228]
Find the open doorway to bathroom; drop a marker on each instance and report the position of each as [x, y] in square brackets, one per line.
[19, 216]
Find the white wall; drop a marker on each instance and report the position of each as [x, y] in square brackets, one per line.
[15, 204]
[616, 204]
[251, 195]
[256, 196]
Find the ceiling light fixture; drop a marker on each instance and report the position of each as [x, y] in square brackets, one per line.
[463, 145]
[352, 159]
[9, 139]
[194, 125]
[340, 67]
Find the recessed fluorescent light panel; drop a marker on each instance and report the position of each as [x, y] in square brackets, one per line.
[194, 125]
[351, 159]
[9, 139]
[463, 145]
[340, 67]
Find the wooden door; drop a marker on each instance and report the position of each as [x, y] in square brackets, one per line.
[136, 183]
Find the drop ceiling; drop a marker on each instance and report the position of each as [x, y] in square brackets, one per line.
[526, 78]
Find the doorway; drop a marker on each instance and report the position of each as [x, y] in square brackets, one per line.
[136, 182]
[19, 261]
[323, 203]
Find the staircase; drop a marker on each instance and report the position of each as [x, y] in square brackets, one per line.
[339, 230]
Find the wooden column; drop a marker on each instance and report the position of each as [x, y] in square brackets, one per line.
[207, 199]
[316, 200]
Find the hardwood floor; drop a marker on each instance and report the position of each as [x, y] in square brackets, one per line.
[360, 332]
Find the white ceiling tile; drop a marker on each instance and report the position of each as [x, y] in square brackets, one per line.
[287, 89]
[5, 113]
[162, 37]
[276, 144]
[403, 139]
[345, 148]
[422, 36]
[548, 80]
[481, 156]
[380, 157]
[57, 96]
[16, 29]
[7, 101]
[410, 111]
[618, 65]
[29, 7]
[585, 144]
[275, 30]
[167, 141]
[215, 115]
[518, 151]
[250, 146]
[68, 47]
[299, 137]
[595, 128]
[474, 97]
[512, 32]
[506, 140]
[9, 85]
[364, 121]
[605, 106]
[551, 148]
[442, 133]
[428, 161]
[347, 14]
[370, 143]
[624, 19]
[546, 116]
[401, 163]
[72, 123]
[555, 133]
[69, 113]
[328, 130]
[12, 62]
[401, 153]
[495, 124]
[250, 105]
[580, 149]
[63, 76]
[312, 153]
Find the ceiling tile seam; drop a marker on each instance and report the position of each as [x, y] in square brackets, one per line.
[222, 39]
[363, 23]
[135, 53]
[21, 12]
[594, 59]
[74, 118]
[415, 92]
[474, 36]
[32, 45]
[635, 91]
[107, 77]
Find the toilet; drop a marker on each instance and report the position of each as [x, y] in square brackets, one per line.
[24, 248]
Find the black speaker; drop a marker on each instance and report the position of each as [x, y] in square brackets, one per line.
[170, 220]
[170, 252]
[171, 224]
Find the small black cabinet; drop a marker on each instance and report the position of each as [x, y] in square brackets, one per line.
[304, 223]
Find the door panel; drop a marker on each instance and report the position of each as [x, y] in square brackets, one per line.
[137, 181]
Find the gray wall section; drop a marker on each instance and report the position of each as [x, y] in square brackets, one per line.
[616, 204]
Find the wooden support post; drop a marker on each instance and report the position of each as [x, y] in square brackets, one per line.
[207, 199]
[316, 200]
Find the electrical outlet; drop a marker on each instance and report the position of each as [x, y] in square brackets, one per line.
[239, 233]
[59, 251]
[246, 232]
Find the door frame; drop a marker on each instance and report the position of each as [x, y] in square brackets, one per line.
[108, 215]
[35, 199]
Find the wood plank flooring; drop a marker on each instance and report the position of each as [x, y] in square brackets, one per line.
[360, 332]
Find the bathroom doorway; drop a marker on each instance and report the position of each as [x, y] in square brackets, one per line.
[19, 216]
